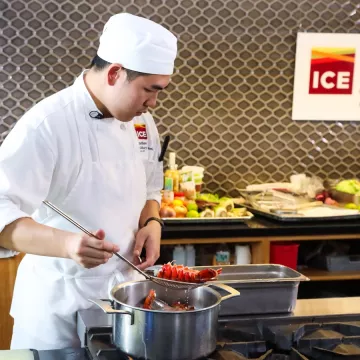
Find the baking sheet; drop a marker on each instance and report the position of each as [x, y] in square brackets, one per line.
[212, 220]
[301, 218]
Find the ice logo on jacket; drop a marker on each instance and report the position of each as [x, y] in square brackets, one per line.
[141, 134]
[332, 70]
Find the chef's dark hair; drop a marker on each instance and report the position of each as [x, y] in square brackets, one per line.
[99, 64]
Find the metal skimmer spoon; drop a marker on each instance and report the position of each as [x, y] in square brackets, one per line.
[171, 284]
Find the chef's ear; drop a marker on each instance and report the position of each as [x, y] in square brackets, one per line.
[114, 72]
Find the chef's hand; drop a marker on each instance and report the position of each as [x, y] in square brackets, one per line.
[88, 251]
[149, 237]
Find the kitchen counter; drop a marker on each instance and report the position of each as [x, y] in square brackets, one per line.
[330, 306]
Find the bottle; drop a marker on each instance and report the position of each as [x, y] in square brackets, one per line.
[179, 255]
[197, 175]
[190, 255]
[172, 176]
[222, 255]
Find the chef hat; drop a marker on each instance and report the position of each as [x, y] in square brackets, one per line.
[138, 44]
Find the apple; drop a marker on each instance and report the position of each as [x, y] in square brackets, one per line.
[180, 210]
[167, 212]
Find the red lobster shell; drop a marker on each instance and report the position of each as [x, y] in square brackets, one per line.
[149, 299]
[177, 306]
[183, 273]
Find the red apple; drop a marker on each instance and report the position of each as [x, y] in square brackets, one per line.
[167, 212]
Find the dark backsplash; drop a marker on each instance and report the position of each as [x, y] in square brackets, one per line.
[228, 107]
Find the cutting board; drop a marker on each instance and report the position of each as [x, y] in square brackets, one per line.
[16, 355]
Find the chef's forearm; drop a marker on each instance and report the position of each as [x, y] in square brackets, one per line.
[151, 209]
[27, 236]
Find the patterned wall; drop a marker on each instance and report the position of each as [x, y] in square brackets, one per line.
[229, 104]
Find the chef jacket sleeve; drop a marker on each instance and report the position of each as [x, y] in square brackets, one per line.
[155, 178]
[26, 167]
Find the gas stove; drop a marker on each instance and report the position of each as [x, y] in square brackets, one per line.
[275, 337]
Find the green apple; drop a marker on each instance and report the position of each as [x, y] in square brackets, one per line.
[192, 214]
[192, 206]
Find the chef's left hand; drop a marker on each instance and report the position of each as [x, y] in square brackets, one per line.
[149, 237]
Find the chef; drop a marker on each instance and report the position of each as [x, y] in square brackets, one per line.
[92, 150]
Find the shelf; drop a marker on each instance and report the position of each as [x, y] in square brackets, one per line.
[248, 239]
[323, 275]
[205, 241]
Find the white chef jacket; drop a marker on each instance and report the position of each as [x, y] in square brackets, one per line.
[101, 172]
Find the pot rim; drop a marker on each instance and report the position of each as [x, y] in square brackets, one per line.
[119, 286]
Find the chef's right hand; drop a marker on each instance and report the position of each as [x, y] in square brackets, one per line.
[89, 251]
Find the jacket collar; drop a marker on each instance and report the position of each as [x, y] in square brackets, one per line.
[91, 109]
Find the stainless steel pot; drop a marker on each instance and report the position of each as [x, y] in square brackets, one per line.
[162, 335]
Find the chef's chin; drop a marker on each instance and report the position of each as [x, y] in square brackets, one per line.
[125, 117]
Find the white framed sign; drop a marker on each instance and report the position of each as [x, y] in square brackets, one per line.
[327, 77]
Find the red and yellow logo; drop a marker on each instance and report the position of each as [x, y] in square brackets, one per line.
[141, 131]
[332, 70]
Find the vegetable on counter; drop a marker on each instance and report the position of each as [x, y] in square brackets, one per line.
[208, 197]
[227, 203]
[220, 211]
[207, 213]
[348, 186]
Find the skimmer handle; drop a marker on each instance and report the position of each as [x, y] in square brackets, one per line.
[148, 277]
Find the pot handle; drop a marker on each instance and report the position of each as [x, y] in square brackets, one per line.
[108, 309]
[232, 292]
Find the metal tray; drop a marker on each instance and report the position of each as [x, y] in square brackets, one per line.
[214, 220]
[264, 289]
[299, 218]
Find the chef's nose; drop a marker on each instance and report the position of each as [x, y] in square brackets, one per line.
[151, 102]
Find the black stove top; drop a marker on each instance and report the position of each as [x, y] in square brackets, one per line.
[271, 338]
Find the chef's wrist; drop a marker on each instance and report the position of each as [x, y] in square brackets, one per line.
[154, 219]
[64, 239]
